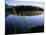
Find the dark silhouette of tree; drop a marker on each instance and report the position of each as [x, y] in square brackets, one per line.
[28, 8]
[37, 29]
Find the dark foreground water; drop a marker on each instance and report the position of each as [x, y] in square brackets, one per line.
[24, 24]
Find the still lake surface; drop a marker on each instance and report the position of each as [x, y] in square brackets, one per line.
[27, 21]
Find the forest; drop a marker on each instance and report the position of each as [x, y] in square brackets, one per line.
[23, 10]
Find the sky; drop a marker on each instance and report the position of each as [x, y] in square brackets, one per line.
[15, 3]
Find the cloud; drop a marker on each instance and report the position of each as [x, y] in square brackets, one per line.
[15, 3]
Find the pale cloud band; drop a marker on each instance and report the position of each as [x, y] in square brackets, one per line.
[15, 3]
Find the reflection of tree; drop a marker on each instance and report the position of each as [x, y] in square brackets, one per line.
[23, 22]
[24, 9]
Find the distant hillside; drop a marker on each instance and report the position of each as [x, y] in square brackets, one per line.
[24, 10]
[28, 8]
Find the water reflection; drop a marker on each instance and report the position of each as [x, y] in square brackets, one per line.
[21, 24]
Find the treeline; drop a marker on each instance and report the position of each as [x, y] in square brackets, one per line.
[24, 8]
[20, 10]
[28, 8]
